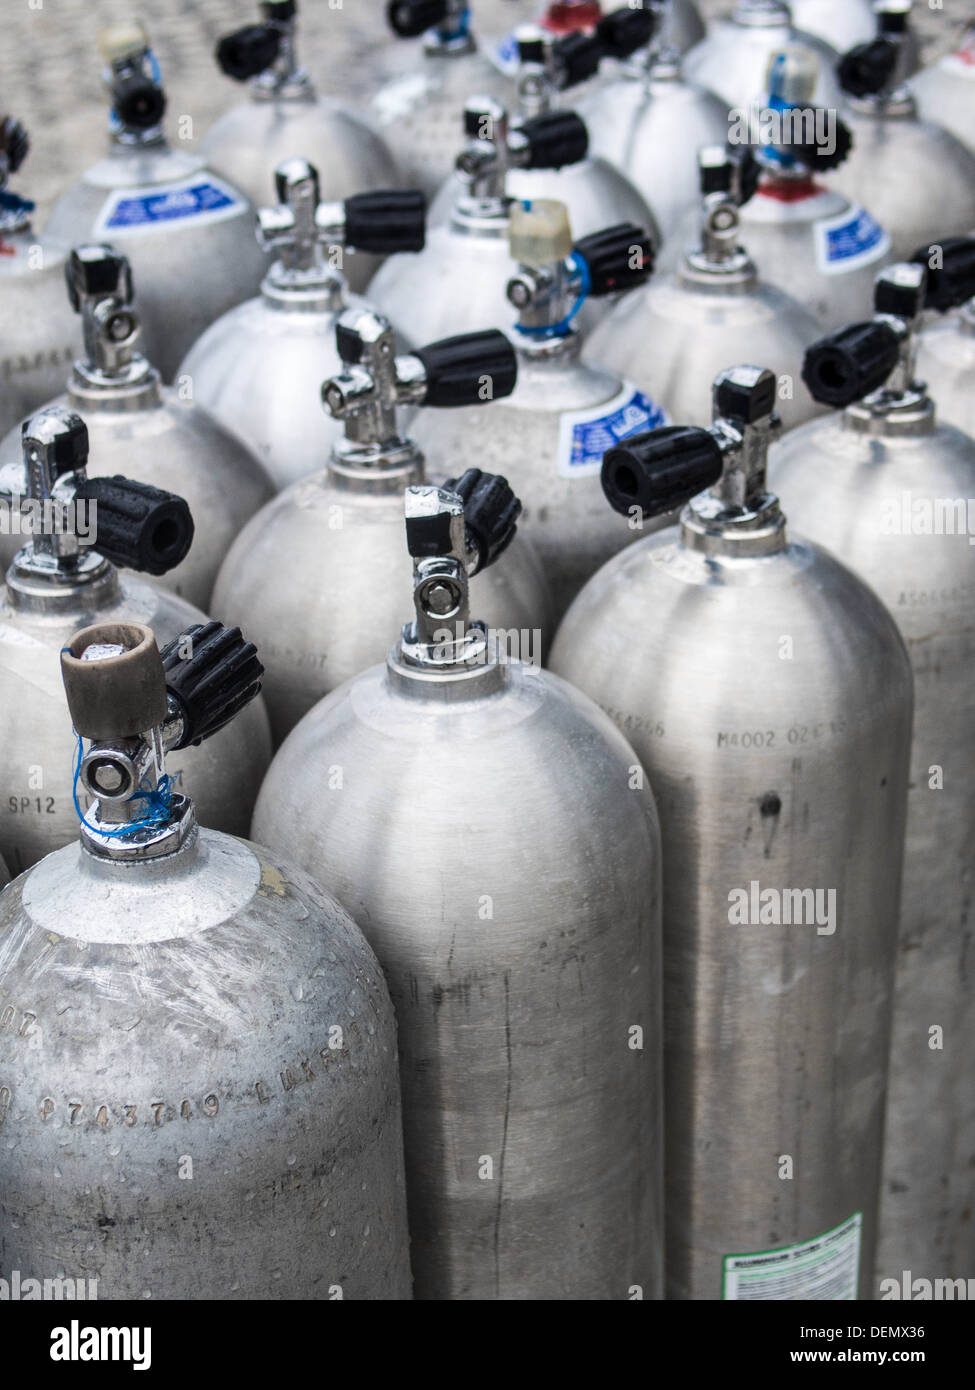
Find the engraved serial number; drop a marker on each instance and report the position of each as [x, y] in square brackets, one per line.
[33, 805]
[795, 737]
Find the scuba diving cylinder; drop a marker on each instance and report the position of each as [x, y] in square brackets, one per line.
[594, 190]
[896, 509]
[169, 979]
[152, 433]
[732, 61]
[298, 563]
[946, 346]
[913, 175]
[540, 926]
[458, 282]
[550, 434]
[767, 692]
[285, 117]
[259, 368]
[650, 122]
[41, 337]
[419, 111]
[809, 240]
[714, 307]
[78, 529]
[945, 92]
[188, 233]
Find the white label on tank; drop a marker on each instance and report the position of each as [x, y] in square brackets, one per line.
[585, 435]
[848, 241]
[202, 197]
[824, 1269]
[962, 61]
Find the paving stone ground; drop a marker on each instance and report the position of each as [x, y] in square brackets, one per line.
[50, 69]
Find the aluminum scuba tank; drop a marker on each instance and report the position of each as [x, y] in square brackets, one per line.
[809, 240]
[285, 117]
[946, 347]
[188, 233]
[892, 471]
[732, 61]
[651, 122]
[592, 188]
[458, 282]
[301, 557]
[550, 434]
[193, 1007]
[539, 926]
[259, 368]
[78, 529]
[945, 92]
[768, 694]
[41, 337]
[914, 176]
[151, 432]
[419, 111]
[715, 305]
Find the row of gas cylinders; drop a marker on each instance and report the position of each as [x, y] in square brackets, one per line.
[635, 892]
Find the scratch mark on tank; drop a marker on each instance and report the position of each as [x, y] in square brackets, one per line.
[504, 1134]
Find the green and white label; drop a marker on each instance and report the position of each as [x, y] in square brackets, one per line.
[827, 1268]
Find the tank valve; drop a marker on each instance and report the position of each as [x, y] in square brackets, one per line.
[78, 523]
[874, 362]
[135, 704]
[133, 79]
[670, 468]
[301, 227]
[878, 68]
[471, 369]
[806, 139]
[453, 532]
[729, 179]
[555, 278]
[548, 141]
[99, 281]
[265, 53]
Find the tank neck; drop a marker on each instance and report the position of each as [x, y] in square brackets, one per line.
[562, 351]
[710, 526]
[480, 217]
[736, 275]
[41, 584]
[169, 847]
[483, 672]
[762, 14]
[375, 468]
[318, 291]
[898, 105]
[893, 414]
[137, 386]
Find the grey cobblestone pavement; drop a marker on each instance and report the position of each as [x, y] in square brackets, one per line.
[50, 69]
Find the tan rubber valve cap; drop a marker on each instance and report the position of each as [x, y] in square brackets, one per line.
[539, 232]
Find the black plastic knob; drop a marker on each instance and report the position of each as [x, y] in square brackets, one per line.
[14, 141]
[745, 395]
[661, 470]
[471, 369]
[386, 221]
[97, 271]
[817, 156]
[623, 32]
[249, 51]
[212, 672]
[868, 68]
[280, 10]
[576, 58]
[951, 271]
[136, 526]
[618, 258]
[555, 139]
[847, 365]
[138, 102]
[892, 16]
[491, 511]
[734, 172]
[409, 18]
